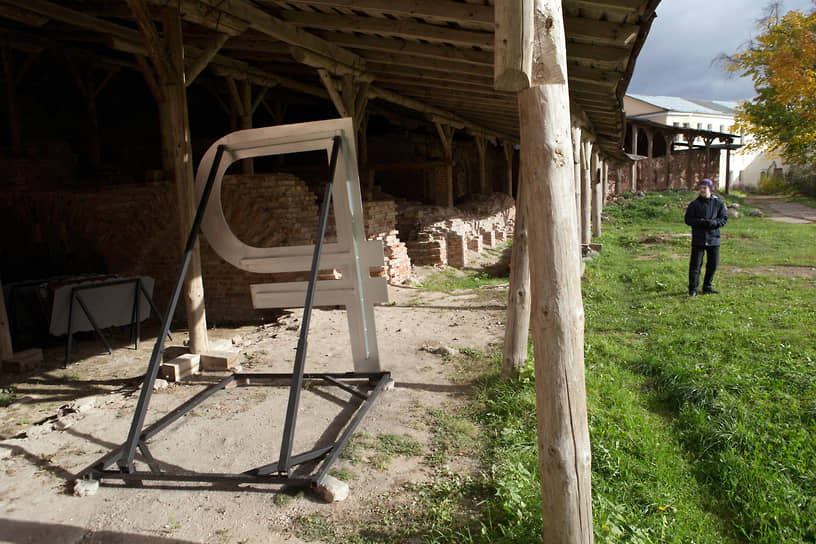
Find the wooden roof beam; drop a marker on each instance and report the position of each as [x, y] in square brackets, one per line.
[398, 59]
[457, 12]
[390, 27]
[597, 53]
[591, 29]
[397, 45]
[273, 27]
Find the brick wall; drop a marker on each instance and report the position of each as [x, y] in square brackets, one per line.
[437, 235]
[132, 229]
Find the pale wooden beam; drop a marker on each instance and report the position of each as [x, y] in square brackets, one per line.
[557, 313]
[446, 136]
[390, 27]
[513, 50]
[597, 53]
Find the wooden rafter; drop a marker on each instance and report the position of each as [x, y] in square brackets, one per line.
[457, 12]
[391, 27]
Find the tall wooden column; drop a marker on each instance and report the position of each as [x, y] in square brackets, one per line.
[6, 351]
[728, 166]
[634, 183]
[595, 172]
[13, 79]
[481, 148]
[517, 323]
[557, 311]
[90, 89]
[167, 56]
[446, 133]
[707, 142]
[586, 193]
[668, 138]
[245, 106]
[508, 148]
[689, 160]
[604, 182]
[576, 165]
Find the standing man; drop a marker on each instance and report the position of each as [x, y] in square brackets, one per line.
[705, 215]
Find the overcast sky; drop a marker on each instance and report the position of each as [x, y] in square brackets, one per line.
[687, 36]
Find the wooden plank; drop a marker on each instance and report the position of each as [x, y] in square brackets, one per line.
[558, 315]
[597, 53]
[435, 51]
[458, 12]
[274, 27]
[390, 27]
[616, 33]
[400, 59]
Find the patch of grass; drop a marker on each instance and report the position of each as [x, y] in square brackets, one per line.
[449, 280]
[314, 527]
[453, 434]
[71, 377]
[7, 395]
[342, 474]
[380, 450]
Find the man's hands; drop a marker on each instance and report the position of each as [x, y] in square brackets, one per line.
[708, 223]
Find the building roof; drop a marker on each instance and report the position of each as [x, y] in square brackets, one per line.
[434, 58]
[688, 105]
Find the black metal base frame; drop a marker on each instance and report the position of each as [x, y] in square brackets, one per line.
[279, 472]
[267, 474]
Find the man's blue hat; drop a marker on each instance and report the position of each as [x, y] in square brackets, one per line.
[706, 182]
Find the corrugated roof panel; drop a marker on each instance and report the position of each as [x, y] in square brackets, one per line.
[688, 105]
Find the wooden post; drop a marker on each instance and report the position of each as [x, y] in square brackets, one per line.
[668, 138]
[728, 167]
[707, 142]
[586, 193]
[690, 162]
[90, 90]
[604, 182]
[555, 271]
[634, 152]
[508, 157]
[167, 56]
[595, 172]
[619, 181]
[517, 322]
[6, 351]
[576, 154]
[446, 135]
[481, 148]
[15, 132]
[179, 126]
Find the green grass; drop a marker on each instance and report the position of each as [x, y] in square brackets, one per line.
[7, 395]
[702, 412]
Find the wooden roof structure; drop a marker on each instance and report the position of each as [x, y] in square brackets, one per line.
[434, 57]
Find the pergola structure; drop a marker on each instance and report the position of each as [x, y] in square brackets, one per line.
[547, 75]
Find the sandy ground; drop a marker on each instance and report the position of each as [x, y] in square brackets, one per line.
[233, 431]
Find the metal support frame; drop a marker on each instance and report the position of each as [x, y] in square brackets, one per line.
[274, 473]
[135, 325]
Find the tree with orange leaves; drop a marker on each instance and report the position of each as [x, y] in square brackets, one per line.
[782, 63]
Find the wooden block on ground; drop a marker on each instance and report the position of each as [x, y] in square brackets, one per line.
[23, 361]
[219, 360]
[179, 368]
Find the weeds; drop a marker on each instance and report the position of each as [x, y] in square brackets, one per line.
[7, 395]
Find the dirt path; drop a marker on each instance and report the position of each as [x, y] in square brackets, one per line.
[233, 431]
[780, 209]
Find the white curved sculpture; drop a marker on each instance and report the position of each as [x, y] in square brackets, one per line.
[353, 255]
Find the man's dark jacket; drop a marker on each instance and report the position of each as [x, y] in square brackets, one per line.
[706, 216]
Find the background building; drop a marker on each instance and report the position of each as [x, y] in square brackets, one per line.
[747, 166]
